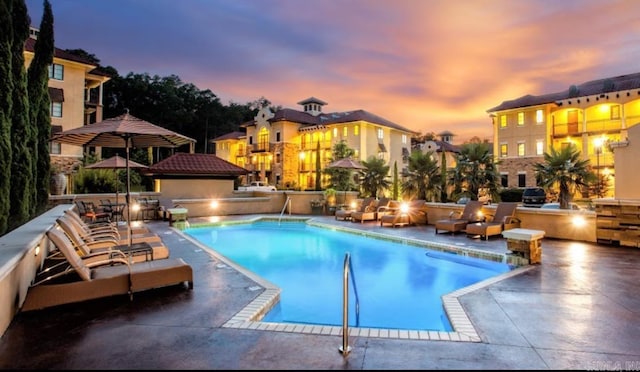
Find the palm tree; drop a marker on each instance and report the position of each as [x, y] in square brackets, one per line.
[476, 169]
[565, 170]
[422, 180]
[374, 177]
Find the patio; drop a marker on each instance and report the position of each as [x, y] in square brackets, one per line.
[578, 309]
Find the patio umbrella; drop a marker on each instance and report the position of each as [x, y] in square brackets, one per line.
[116, 162]
[348, 164]
[124, 131]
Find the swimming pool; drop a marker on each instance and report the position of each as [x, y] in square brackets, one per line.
[399, 286]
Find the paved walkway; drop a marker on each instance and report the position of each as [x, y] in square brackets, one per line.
[579, 309]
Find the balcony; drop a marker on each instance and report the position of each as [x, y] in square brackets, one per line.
[593, 126]
[262, 147]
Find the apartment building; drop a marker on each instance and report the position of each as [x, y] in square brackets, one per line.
[75, 89]
[594, 116]
[282, 147]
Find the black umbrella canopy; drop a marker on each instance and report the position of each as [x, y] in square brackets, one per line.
[124, 131]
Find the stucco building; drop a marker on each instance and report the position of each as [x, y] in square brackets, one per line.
[592, 115]
[76, 89]
[281, 147]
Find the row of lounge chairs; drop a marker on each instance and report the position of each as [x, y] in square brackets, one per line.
[386, 211]
[90, 261]
[470, 220]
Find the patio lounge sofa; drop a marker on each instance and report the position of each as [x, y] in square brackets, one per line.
[370, 213]
[503, 219]
[458, 221]
[81, 280]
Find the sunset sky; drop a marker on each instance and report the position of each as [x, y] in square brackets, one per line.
[428, 65]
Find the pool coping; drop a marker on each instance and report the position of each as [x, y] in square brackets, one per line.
[250, 316]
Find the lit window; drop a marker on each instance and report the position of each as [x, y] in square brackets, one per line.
[344, 132]
[503, 121]
[520, 148]
[539, 117]
[56, 109]
[521, 118]
[335, 132]
[539, 147]
[404, 139]
[56, 71]
[503, 150]
[356, 130]
[615, 112]
[380, 133]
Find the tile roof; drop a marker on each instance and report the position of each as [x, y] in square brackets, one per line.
[312, 100]
[309, 120]
[229, 136]
[30, 43]
[589, 88]
[195, 164]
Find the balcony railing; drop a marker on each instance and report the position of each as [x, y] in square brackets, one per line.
[593, 126]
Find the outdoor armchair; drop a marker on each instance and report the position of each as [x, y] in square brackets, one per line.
[503, 219]
[458, 221]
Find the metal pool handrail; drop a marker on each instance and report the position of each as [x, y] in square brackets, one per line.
[345, 348]
[288, 201]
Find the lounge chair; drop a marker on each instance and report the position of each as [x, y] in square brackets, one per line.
[140, 251]
[396, 214]
[90, 235]
[503, 219]
[360, 204]
[81, 281]
[458, 221]
[370, 213]
[101, 226]
[418, 212]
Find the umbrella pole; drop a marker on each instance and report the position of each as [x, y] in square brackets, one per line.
[128, 196]
[116, 172]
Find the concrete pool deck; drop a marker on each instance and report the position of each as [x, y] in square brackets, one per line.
[578, 309]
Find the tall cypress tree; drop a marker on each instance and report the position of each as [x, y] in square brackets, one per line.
[39, 100]
[396, 183]
[6, 88]
[443, 177]
[318, 168]
[22, 185]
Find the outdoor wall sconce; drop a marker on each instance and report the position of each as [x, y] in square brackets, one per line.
[37, 250]
[214, 204]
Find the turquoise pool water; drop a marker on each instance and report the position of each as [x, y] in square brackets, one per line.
[398, 286]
